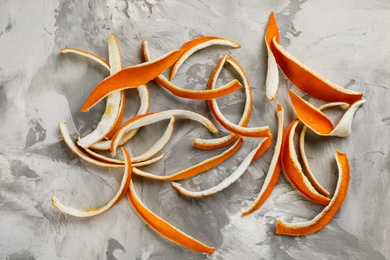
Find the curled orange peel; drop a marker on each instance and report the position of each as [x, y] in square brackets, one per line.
[197, 44]
[151, 118]
[274, 168]
[131, 77]
[293, 169]
[187, 93]
[88, 55]
[300, 75]
[164, 228]
[236, 174]
[195, 169]
[326, 215]
[99, 210]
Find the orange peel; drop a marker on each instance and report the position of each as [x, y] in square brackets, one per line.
[197, 44]
[293, 169]
[236, 174]
[99, 210]
[151, 118]
[163, 228]
[274, 168]
[195, 169]
[326, 215]
[88, 55]
[131, 77]
[303, 77]
[187, 93]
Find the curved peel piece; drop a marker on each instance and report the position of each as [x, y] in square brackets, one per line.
[293, 169]
[196, 169]
[97, 211]
[272, 80]
[131, 77]
[88, 55]
[326, 215]
[273, 170]
[197, 44]
[164, 228]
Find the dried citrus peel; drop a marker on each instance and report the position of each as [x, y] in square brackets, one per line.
[155, 117]
[293, 169]
[130, 77]
[274, 168]
[313, 117]
[237, 173]
[195, 169]
[187, 93]
[99, 210]
[164, 228]
[326, 215]
[114, 100]
[197, 44]
[88, 55]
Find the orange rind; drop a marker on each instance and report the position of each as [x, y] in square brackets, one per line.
[326, 215]
[88, 55]
[293, 170]
[197, 44]
[187, 93]
[274, 168]
[195, 169]
[151, 118]
[82, 213]
[131, 77]
[164, 228]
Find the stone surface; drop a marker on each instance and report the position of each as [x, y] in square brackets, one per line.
[346, 41]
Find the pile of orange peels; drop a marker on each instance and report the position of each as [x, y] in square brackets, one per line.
[110, 133]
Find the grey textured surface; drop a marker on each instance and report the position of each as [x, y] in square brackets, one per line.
[346, 41]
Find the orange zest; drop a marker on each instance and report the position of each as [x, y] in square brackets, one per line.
[273, 170]
[164, 228]
[326, 215]
[187, 93]
[131, 77]
[99, 210]
[293, 170]
[197, 44]
[195, 169]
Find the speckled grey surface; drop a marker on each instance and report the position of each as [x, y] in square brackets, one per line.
[347, 41]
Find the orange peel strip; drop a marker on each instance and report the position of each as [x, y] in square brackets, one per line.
[131, 77]
[273, 170]
[187, 93]
[99, 210]
[151, 118]
[272, 80]
[237, 173]
[88, 55]
[196, 169]
[164, 228]
[326, 215]
[115, 101]
[197, 44]
[303, 77]
[208, 144]
[293, 169]
[74, 148]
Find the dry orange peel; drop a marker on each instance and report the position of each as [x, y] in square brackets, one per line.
[187, 93]
[197, 44]
[99, 210]
[115, 101]
[74, 148]
[274, 168]
[88, 55]
[164, 228]
[293, 169]
[313, 117]
[303, 77]
[131, 77]
[155, 117]
[326, 215]
[196, 169]
[236, 174]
